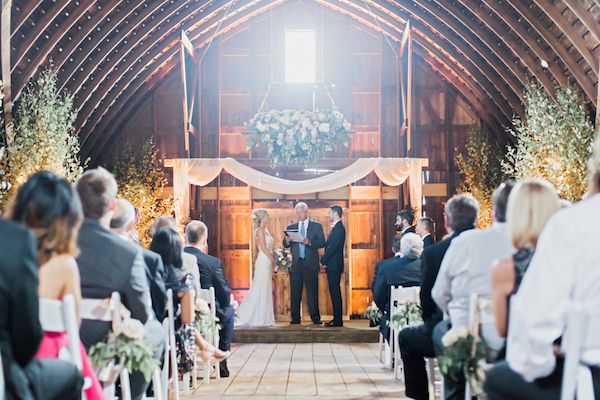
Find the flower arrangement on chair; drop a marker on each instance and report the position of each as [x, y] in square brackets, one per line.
[410, 314]
[373, 314]
[294, 137]
[126, 347]
[206, 322]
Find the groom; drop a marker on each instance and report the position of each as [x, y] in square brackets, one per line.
[333, 262]
[305, 264]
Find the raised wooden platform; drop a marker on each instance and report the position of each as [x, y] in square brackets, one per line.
[351, 332]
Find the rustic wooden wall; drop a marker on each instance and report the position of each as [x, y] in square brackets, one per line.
[360, 70]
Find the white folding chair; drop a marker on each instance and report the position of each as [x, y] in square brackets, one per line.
[402, 294]
[209, 296]
[581, 335]
[171, 353]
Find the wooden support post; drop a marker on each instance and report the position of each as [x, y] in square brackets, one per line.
[409, 99]
[6, 67]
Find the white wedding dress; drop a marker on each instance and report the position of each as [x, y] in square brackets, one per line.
[257, 307]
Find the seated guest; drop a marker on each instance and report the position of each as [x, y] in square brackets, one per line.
[167, 243]
[212, 275]
[108, 263]
[403, 270]
[425, 230]
[20, 328]
[123, 224]
[51, 208]
[404, 222]
[467, 269]
[563, 273]
[190, 266]
[530, 205]
[460, 214]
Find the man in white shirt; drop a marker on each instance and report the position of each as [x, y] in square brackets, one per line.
[466, 269]
[563, 273]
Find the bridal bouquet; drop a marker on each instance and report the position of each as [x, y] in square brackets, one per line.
[409, 314]
[283, 259]
[463, 355]
[126, 347]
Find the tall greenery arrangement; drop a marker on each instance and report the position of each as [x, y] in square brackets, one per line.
[481, 168]
[142, 180]
[43, 136]
[554, 141]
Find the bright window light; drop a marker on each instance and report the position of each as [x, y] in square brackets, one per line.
[300, 56]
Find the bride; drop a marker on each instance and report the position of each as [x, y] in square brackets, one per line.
[257, 307]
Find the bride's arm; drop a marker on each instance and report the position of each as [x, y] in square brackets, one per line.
[262, 244]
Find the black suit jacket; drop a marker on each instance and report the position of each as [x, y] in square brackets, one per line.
[333, 257]
[212, 275]
[20, 329]
[431, 260]
[316, 236]
[155, 272]
[427, 241]
[107, 264]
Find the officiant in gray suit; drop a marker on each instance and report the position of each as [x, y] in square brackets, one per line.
[305, 264]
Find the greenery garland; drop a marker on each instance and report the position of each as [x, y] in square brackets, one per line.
[296, 137]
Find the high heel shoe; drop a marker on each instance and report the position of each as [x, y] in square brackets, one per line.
[213, 353]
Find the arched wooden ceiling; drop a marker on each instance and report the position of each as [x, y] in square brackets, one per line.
[110, 53]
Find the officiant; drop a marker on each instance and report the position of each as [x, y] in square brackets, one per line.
[305, 263]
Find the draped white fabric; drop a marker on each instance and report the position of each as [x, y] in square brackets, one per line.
[201, 171]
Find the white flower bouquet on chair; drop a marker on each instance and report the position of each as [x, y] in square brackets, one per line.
[373, 314]
[206, 322]
[464, 353]
[410, 314]
[124, 348]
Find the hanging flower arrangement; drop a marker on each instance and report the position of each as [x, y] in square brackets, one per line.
[298, 137]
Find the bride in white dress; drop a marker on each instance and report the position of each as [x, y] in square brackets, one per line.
[257, 307]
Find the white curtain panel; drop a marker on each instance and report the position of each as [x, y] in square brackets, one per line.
[201, 171]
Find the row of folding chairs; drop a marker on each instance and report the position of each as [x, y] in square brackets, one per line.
[389, 353]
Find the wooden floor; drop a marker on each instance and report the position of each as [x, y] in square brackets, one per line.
[303, 370]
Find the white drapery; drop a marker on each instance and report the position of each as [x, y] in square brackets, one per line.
[201, 171]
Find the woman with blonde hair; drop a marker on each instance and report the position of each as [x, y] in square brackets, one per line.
[531, 204]
[257, 307]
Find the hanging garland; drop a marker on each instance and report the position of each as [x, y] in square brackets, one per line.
[296, 137]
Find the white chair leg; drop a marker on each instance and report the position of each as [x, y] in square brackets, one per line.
[206, 372]
[125, 386]
[381, 342]
[157, 385]
[109, 392]
[398, 364]
[186, 383]
[431, 378]
[388, 356]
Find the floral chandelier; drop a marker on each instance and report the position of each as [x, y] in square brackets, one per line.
[298, 136]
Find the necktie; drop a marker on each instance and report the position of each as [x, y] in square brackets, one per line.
[303, 233]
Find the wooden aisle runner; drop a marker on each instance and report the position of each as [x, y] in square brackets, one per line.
[303, 370]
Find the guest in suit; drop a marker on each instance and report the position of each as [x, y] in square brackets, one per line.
[425, 230]
[123, 224]
[190, 266]
[404, 222]
[333, 262]
[212, 275]
[20, 330]
[108, 263]
[467, 269]
[460, 214]
[403, 270]
[305, 264]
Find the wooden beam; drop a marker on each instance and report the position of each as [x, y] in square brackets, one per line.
[7, 104]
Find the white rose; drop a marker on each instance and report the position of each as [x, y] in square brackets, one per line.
[453, 335]
[202, 307]
[133, 329]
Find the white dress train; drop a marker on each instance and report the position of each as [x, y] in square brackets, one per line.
[257, 307]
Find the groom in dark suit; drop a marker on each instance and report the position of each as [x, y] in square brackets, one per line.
[333, 262]
[305, 264]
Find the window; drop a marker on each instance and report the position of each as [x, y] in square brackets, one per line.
[300, 56]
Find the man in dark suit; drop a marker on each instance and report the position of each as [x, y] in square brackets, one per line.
[305, 264]
[416, 342]
[333, 262]
[20, 330]
[425, 230]
[212, 275]
[123, 224]
[402, 270]
[404, 222]
[109, 264]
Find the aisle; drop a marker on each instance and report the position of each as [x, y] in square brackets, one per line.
[303, 370]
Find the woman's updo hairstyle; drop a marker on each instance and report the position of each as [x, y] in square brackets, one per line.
[258, 215]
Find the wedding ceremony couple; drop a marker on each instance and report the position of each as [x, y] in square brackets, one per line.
[257, 308]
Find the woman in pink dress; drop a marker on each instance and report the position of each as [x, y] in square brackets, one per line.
[51, 208]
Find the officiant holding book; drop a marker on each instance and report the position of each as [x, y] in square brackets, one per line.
[305, 263]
